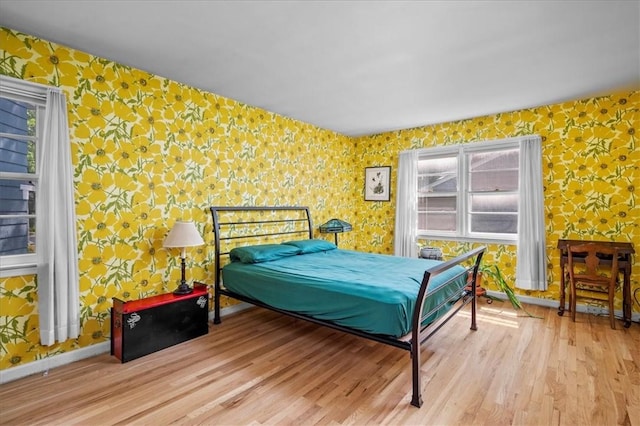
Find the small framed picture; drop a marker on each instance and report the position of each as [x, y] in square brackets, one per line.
[376, 183]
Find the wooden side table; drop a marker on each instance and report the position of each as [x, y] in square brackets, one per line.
[624, 262]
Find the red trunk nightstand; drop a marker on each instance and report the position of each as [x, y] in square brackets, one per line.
[140, 327]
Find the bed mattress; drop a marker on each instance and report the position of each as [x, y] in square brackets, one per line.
[369, 292]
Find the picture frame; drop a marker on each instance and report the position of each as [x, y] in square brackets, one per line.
[377, 183]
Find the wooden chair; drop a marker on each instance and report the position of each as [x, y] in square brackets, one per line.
[593, 268]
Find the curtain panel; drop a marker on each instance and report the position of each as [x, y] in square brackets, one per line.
[531, 256]
[58, 280]
[404, 243]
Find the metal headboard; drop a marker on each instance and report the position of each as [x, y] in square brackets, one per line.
[303, 220]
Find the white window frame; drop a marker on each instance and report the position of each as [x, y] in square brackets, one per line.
[35, 94]
[463, 195]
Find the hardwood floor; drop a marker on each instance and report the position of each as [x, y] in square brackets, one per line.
[512, 370]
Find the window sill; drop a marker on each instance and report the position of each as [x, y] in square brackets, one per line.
[18, 270]
[467, 240]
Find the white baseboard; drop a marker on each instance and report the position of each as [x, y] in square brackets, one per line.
[238, 307]
[550, 303]
[44, 365]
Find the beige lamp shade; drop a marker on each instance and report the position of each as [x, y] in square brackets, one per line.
[183, 234]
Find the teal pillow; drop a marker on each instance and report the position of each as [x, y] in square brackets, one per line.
[312, 246]
[262, 253]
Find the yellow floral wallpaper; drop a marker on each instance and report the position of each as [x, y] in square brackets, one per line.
[591, 172]
[148, 151]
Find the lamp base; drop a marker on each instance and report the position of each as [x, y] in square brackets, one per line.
[183, 289]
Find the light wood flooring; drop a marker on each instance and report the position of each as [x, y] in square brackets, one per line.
[259, 367]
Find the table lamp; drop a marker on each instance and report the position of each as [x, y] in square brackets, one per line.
[335, 226]
[183, 235]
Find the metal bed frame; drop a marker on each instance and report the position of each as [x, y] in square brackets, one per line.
[412, 342]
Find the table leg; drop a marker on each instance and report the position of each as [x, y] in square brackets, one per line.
[626, 295]
[562, 290]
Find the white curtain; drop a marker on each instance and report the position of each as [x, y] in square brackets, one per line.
[406, 205]
[531, 256]
[58, 282]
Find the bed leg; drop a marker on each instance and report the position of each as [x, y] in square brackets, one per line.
[216, 308]
[416, 398]
[474, 301]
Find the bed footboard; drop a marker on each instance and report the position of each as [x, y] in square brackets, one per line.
[420, 332]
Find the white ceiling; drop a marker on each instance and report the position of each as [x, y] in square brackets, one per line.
[359, 67]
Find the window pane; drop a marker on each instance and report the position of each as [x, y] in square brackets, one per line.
[17, 154]
[437, 221]
[437, 204]
[17, 236]
[493, 171]
[437, 184]
[17, 197]
[494, 160]
[494, 223]
[438, 175]
[497, 180]
[494, 203]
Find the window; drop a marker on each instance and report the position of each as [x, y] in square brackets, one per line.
[21, 117]
[469, 191]
[36, 195]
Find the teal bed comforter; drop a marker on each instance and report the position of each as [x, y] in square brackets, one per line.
[370, 292]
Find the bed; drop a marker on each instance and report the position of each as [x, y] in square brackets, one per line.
[267, 256]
